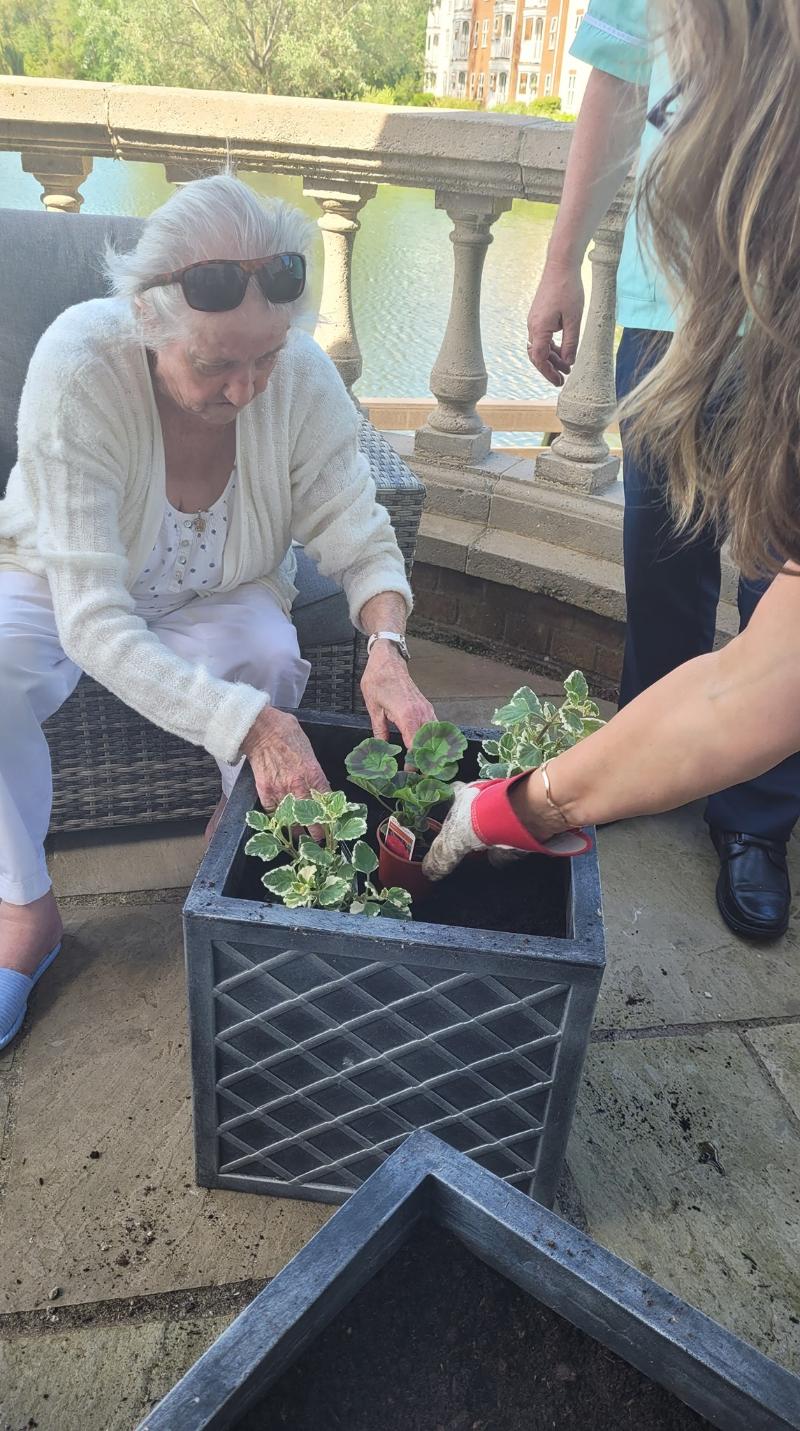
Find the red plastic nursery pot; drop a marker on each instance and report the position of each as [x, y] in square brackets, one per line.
[394, 870]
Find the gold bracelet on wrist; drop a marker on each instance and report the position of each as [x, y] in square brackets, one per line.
[548, 795]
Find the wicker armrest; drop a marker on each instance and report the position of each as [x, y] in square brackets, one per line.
[400, 492]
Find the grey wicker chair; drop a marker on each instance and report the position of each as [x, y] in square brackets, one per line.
[110, 766]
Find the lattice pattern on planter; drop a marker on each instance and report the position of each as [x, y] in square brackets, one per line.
[324, 1064]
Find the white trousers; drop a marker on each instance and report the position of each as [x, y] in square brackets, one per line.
[240, 635]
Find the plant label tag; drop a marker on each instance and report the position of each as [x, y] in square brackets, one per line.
[399, 840]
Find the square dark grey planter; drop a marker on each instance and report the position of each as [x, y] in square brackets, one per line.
[426, 1184]
[320, 1040]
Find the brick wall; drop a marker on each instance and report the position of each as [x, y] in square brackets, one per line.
[521, 628]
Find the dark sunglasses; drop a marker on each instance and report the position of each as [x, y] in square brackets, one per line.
[215, 285]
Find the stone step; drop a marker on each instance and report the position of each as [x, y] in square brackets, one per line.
[525, 561]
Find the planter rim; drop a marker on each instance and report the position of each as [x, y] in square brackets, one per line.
[582, 949]
[724, 1378]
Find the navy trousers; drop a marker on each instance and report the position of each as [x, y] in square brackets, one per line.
[672, 591]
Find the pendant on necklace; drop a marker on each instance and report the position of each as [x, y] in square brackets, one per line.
[199, 525]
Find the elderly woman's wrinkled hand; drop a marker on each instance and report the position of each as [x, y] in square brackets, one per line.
[282, 759]
[391, 696]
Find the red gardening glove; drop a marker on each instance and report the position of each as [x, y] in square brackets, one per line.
[481, 818]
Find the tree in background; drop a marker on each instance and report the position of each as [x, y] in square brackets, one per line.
[332, 48]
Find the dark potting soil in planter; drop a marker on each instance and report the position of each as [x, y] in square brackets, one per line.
[438, 1341]
[526, 897]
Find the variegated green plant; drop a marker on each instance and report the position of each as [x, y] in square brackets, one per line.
[411, 794]
[331, 875]
[534, 730]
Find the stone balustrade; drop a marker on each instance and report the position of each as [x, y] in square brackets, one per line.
[475, 163]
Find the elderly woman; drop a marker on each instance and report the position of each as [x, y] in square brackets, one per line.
[173, 440]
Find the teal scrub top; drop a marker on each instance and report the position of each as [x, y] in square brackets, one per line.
[614, 36]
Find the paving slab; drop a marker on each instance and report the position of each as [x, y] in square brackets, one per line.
[140, 857]
[441, 670]
[778, 1048]
[671, 959]
[100, 1193]
[686, 1160]
[97, 1378]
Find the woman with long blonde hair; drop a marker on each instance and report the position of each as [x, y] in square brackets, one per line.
[720, 202]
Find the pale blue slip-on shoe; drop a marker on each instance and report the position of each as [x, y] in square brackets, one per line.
[15, 989]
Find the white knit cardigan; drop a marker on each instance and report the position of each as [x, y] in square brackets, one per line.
[86, 498]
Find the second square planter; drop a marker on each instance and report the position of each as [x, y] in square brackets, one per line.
[320, 1040]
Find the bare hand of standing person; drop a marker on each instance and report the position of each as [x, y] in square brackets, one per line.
[557, 308]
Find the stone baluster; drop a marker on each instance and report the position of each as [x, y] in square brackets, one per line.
[60, 176]
[184, 171]
[336, 331]
[579, 457]
[454, 431]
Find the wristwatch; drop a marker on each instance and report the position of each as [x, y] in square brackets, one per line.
[395, 636]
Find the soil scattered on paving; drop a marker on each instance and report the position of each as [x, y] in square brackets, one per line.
[437, 1341]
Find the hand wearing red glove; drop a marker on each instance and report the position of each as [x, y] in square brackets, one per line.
[481, 817]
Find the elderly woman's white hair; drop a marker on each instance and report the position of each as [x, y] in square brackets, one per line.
[215, 217]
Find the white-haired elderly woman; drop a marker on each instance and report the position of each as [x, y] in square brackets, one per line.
[173, 440]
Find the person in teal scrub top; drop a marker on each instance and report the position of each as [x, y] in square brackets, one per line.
[672, 586]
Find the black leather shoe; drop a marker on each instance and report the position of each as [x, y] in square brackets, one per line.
[753, 891]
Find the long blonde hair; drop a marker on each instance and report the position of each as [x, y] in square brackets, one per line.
[719, 203]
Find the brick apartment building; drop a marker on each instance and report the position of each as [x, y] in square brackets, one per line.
[499, 51]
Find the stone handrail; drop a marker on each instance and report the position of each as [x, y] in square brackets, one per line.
[476, 164]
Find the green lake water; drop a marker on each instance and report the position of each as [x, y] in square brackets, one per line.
[402, 271]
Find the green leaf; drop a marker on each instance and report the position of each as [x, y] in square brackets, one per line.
[315, 854]
[257, 820]
[523, 703]
[364, 859]
[592, 724]
[308, 812]
[351, 827]
[577, 686]
[500, 770]
[430, 792]
[278, 881]
[333, 892]
[372, 763]
[571, 720]
[397, 896]
[266, 846]
[529, 756]
[491, 748]
[336, 803]
[436, 747]
[285, 813]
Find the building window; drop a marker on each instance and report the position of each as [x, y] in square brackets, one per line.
[496, 26]
[507, 25]
[476, 35]
[473, 79]
[548, 84]
[571, 80]
[522, 87]
[578, 18]
[493, 82]
[485, 34]
[551, 39]
[480, 86]
[528, 31]
[538, 38]
[436, 40]
[503, 81]
[534, 83]
[462, 82]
